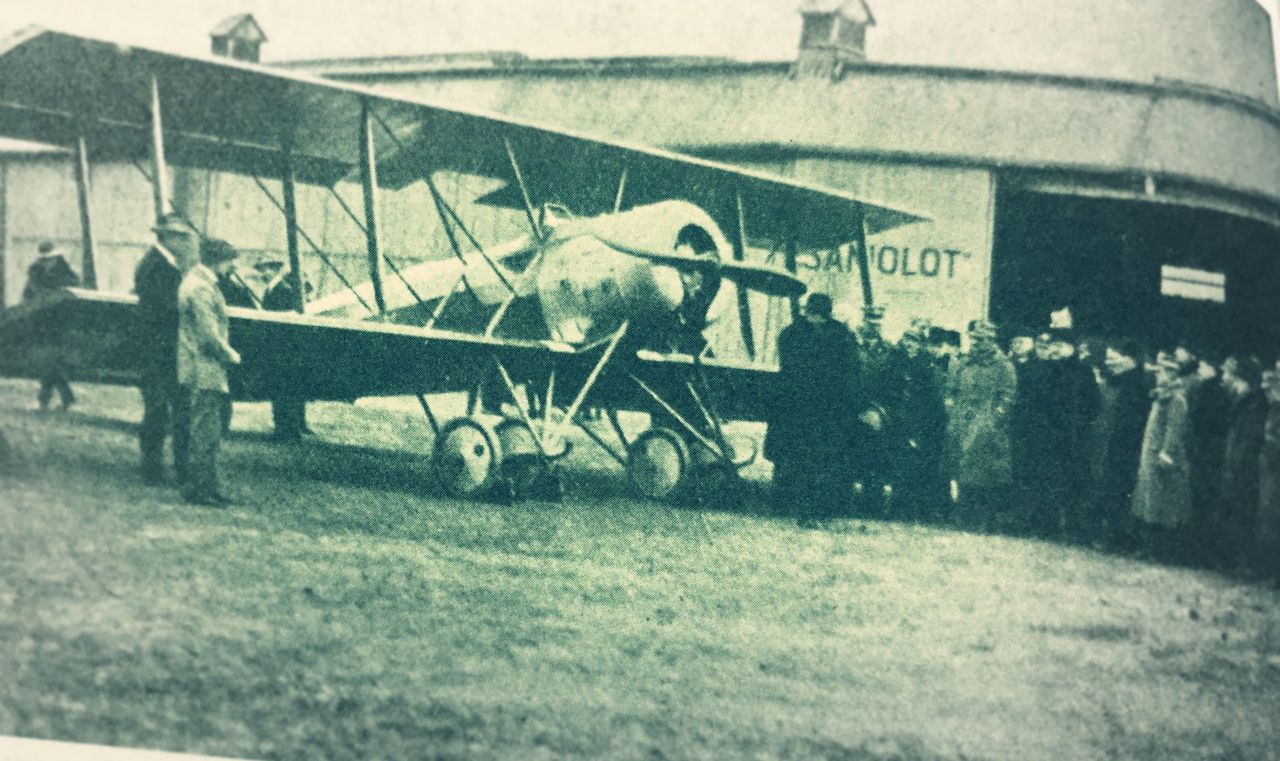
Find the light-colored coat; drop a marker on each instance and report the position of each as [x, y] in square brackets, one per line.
[204, 349]
[1269, 502]
[1163, 493]
[980, 391]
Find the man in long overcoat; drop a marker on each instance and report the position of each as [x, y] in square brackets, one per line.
[164, 406]
[1240, 486]
[204, 354]
[980, 392]
[1268, 546]
[1162, 494]
[288, 413]
[812, 428]
[1125, 421]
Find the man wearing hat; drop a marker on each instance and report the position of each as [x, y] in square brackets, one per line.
[47, 275]
[882, 382]
[980, 391]
[156, 281]
[289, 414]
[920, 427]
[813, 424]
[204, 354]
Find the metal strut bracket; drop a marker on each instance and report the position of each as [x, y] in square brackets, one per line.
[694, 432]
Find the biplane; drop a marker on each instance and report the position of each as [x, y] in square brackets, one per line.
[598, 307]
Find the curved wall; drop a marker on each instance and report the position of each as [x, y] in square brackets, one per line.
[1218, 43]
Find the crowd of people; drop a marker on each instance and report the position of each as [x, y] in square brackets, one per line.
[1174, 453]
[184, 285]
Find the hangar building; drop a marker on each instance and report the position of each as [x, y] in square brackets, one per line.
[1121, 157]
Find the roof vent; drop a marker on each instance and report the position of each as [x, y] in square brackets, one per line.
[834, 33]
[238, 37]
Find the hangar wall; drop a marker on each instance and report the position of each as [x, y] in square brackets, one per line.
[956, 117]
[1218, 43]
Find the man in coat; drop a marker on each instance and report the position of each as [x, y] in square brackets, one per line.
[1268, 545]
[1240, 479]
[920, 428]
[204, 354]
[813, 423]
[980, 393]
[289, 414]
[156, 281]
[882, 382]
[1129, 403]
[47, 275]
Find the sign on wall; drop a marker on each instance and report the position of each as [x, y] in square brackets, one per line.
[938, 269]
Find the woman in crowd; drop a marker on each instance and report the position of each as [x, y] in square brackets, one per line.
[1162, 497]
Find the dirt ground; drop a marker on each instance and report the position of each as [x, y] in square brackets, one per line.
[345, 610]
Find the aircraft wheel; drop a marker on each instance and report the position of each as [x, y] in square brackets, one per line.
[523, 466]
[711, 478]
[468, 457]
[658, 463]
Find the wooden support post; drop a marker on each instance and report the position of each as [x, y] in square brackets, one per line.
[291, 225]
[89, 267]
[159, 172]
[369, 181]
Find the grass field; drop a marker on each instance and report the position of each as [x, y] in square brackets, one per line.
[344, 610]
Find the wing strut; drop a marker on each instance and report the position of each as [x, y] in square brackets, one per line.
[789, 261]
[369, 182]
[524, 190]
[622, 187]
[88, 268]
[291, 225]
[159, 175]
[744, 298]
[864, 264]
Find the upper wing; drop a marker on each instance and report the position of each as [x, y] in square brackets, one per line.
[231, 116]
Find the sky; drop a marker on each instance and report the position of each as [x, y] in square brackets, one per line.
[751, 29]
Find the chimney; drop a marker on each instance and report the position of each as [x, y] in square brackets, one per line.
[238, 37]
[833, 34]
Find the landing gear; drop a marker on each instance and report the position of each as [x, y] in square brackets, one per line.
[478, 460]
[526, 473]
[658, 463]
[663, 464]
[468, 457]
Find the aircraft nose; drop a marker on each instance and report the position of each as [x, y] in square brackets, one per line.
[668, 287]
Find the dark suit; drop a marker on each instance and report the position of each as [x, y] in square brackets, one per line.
[289, 414]
[46, 276]
[1126, 422]
[813, 421]
[156, 281]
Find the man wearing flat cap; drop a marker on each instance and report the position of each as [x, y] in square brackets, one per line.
[155, 281]
[204, 354]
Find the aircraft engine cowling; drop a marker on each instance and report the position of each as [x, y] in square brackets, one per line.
[587, 289]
